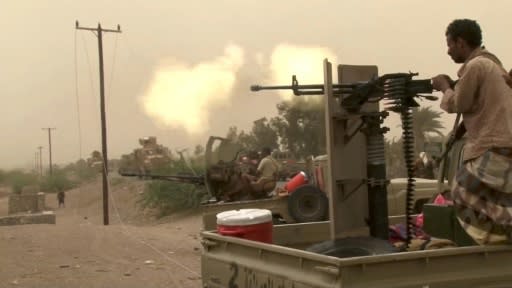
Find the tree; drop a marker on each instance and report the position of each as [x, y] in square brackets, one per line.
[241, 138]
[300, 125]
[232, 134]
[198, 159]
[299, 128]
[262, 135]
[426, 121]
[395, 163]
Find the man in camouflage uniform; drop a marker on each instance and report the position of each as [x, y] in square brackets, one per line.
[482, 190]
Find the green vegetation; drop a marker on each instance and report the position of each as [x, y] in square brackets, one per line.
[64, 178]
[296, 118]
[426, 121]
[18, 179]
[167, 197]
[299, 117]
[57, 181]
[395, 163]
[81, 171]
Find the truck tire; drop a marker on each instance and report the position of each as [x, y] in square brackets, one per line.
[308, 204]
[353, 247]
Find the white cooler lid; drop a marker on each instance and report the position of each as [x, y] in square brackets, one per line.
[244, 217]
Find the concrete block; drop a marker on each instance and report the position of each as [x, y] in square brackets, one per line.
[19, 203]
[45, 217]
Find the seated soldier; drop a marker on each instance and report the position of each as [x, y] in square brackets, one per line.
[266, 178]
[250, 163]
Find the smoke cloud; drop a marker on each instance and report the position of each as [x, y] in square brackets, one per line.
[303, 61]
[182, 96]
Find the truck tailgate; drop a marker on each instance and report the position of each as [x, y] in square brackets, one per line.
[233, 262]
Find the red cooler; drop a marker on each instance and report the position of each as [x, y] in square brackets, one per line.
[250, 224]
[297, 180]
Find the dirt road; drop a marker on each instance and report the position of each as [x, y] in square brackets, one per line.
[133, 251]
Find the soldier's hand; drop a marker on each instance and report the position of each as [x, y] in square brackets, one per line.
[441, 82]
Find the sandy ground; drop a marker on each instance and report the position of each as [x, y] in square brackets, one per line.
[135, 250]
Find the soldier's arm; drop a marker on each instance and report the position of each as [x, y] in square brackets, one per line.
[461, 99]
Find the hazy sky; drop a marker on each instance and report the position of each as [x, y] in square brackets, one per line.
[195, 60]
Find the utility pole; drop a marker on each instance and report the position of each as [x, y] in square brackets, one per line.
[40, 160]
[36, 170]
[99, 33]
[49, 146]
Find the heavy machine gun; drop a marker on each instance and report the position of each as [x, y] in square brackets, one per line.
[222, 172]
[397, 87]
[399, 92]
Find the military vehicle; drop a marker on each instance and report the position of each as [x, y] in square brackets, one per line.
[307, 203]
[149, 158]
[352, 248]
[223, 173]
[95, 161]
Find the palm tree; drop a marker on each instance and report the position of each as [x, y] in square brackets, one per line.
[426, 121]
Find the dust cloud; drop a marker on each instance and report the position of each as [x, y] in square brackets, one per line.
[187, 96]
[303, 61]
[183, 96]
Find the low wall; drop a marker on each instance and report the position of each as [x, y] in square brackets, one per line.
[23, 203]
[46, 217]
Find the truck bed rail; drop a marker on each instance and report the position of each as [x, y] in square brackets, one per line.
[234, 262]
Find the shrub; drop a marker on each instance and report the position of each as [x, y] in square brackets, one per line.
[117, 180]
[168, 197]
[18, 179]
[57, 181]
[82, 171]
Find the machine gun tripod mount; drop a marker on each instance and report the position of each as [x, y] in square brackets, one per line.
[354, 130]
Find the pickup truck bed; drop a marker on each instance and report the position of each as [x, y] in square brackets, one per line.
[425, 189]
[234, 262]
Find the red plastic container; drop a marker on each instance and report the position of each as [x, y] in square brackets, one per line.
[250, 224]
[297, 180]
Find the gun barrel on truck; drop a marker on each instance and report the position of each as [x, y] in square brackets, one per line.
[190, 179]
[223, 157]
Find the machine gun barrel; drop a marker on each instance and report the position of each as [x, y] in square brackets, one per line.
[197, 180]
[308, 89]
[358, 93]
